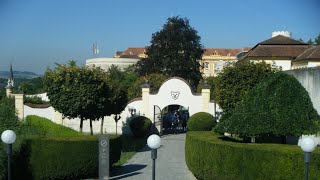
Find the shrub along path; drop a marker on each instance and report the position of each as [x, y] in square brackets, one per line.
[170, 163]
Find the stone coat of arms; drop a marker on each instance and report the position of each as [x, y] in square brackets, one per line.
[175, 95]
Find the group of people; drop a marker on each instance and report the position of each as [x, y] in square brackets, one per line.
[178, 122]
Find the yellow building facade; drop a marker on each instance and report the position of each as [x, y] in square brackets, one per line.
[215, 59]
[212, 62]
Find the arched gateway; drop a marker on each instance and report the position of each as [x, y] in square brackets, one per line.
[174, 91]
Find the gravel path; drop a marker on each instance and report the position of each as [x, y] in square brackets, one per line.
[170, 164]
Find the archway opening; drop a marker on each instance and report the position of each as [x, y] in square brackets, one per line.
[174, 119]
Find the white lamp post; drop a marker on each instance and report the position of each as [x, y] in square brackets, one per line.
[154, 142]
[307, 145]
[8, 137]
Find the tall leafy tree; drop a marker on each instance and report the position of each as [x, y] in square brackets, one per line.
[32, 86]
[237, 79]
[155, 81]
[315, 42]
[174, 51]
[119, 97]
[78, 92]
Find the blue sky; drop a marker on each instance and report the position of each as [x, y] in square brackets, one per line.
[35, 34]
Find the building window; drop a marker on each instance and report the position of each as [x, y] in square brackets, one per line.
[206, 65]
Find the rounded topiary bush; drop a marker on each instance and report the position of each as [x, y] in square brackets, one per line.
[278, 106]
[201, 121]
[140, 126]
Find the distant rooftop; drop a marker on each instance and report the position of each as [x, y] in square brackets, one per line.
[223, 52]
[278, 46]
[312, 53]
[281, 40]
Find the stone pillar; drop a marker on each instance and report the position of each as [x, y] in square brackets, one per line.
[205, 93]
[8, 92]
[145, 98]
[57, 117]
[19, 106]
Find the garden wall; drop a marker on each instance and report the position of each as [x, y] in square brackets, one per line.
[109, 125]
[310, 80]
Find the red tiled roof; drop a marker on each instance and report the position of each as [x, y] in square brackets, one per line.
[223, 52]
[132, 52]
[278, 51]
[313, 53]
[278, 46]
[282, 40]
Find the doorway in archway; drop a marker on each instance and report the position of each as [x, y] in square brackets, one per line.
[174, 119]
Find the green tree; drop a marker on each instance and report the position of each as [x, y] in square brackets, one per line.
[278, 106]
[2, 93]
[78, 92]
[236, 80]
[174, 51]
[310, 42]
[211, 82]
[155, 81]
[8, 117]
[119, 98]
[317, 40]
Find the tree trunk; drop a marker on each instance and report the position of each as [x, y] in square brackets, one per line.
[81, 124]
[91, 127]
[116, 119]
[101, 129]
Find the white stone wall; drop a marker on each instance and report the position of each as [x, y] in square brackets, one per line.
[109, 125]
[211, 108]
[19, 105]
[174, 86]
[105, 63]
[185, 97]
[42, 112]
[284, 64]
[309, 79]
[314, 64]
[43, 96]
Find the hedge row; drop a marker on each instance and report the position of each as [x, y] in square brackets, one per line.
[201, 121]
[140, 126]
[62, 158]
[44, 127]
[209, 156]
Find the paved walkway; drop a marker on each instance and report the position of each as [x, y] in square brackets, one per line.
[170, 164]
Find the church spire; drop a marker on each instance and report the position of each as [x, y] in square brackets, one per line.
[10, 84]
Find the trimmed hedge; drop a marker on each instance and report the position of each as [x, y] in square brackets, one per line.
[279, 106]
[140, 126]
[8, 120]
[62, 158]
[208, 156]
[201, 121]
[8, 117]
[44, 127]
